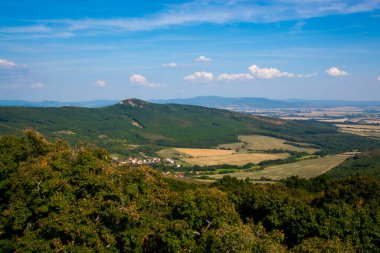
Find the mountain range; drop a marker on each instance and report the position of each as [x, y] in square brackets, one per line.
[265, 103]
[239, 103]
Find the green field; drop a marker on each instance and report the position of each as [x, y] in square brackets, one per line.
[260, 142]
[232, 146]
[307, 169]
[169, 153]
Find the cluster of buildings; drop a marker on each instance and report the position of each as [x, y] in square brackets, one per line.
[176, 174]
[146, 160]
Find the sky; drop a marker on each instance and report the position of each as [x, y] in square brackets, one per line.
[76, 50]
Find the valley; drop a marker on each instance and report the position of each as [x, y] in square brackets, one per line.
[181, 138]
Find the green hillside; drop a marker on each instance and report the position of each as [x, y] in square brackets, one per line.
[367, 163]
[134, 121]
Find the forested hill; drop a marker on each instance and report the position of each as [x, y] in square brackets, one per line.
[57, 199]
[135, 121]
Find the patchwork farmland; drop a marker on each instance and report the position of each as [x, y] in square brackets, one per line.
[235, 159]
[306, 168]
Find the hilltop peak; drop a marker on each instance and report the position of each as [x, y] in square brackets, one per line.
[134, 102]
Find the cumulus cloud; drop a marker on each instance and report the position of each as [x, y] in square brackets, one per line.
[203, 58]
[201, 76]
[268, 73]
[37, 85]
[261, 73]
[101, 83]
[378, 78]
[142, 81]
[233, 77]
[336, 72]
[6, 64]
[170, 65]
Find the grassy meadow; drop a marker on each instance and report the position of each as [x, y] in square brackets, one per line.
[260, 142]
[306, 169]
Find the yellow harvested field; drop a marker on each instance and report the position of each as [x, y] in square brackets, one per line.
[365, 134]
[367, 127]
[306, 168]
[295, 118]
[260, 142]
[362, 130]
[235, 159]
[198, 152]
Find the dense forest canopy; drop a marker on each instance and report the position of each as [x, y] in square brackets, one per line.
[366, 163]
[54, 198]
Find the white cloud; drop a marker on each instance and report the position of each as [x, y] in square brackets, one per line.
[268, 73]
[202, 58]
[7, 64]
[101, 83]
[170, 65]
[202, 76]
[211, 12]
[26, 29]
[378, 78]
[307, 75]
[232, 77]
[336, 72]
[141, 80]
[37, 85]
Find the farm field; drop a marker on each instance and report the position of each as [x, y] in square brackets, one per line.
[168, 153]
[260, 142]
[250, 149]
[307, 169]
[232, 146]
[234, 159]
[195, 152]
[362, 130]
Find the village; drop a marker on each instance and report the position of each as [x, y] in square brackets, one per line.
[152, 161]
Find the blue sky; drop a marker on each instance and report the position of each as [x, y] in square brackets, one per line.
[85, 50]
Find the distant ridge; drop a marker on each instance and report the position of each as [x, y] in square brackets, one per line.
[224, 102]
[238, 103]
[89, 104]
[263, 103]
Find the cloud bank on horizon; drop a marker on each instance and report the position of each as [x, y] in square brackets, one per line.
[280, 49]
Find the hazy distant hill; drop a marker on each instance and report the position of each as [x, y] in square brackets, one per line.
[90, 104]
[224, 102]
[134, 121]
[207, 101]
[263, 103]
